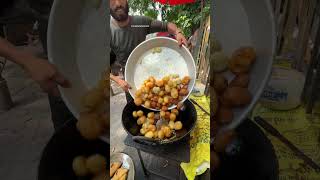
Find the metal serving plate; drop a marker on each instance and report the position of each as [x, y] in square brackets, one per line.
[77, 45]
[126, 163]
[143, 63]
[245, 22]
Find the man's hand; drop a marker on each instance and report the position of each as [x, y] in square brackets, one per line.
[181, 39]
[173, 29]
[123, 84]
[45, 74]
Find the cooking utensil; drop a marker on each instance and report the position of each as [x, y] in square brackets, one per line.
[187, 117]
[254, 24]
[126, 161]
[161, 122]
[255, 160]
[62, 148]
[144, 62]
[77, 45]
[205, 111]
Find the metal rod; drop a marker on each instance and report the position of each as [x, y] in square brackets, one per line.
[270, 129]
[194, 102]
[142, 163]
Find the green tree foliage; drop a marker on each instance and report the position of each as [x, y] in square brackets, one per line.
[187, 16]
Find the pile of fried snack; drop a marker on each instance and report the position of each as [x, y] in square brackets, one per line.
[94, 166]
[228, 95]
[117, 172]
[94, 121]
[148, 123]
[162, 93]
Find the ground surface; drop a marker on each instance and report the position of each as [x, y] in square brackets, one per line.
[24, 129]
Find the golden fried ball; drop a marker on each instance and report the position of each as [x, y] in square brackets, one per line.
[138, 101]
[96, 163]
[167, 115]
[155, 134]
[164, 108]
[89, 126]
[138, 93]
[171, 124]
[140, 113]
[175, 111]
[150, 85]
[143, 131]
[151, 115]
[156, 90]
[151, 121]
[152, 127]
[186, 80]
[143, 119]
[162, 113]
[153, 105]
[149, 134]
[79, 166]
[93, 98]
[146, 89]
[134, 114]
[145, 97]
[178, 125]
[161, 93]
[172, 117]
[166, 99]
[150, 95]
[152, 79]
[159, 83]
[167, 88]
[167, 132]
[178, 81]
[174, 93]
[160, 100]
[160, 134]
[147, 104]
[165, 79]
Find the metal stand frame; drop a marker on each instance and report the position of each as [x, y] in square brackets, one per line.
[146, 171]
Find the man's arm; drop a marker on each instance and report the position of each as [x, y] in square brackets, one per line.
[7, 50]
[123, 84]
[158, 26]
[44, 73]
[173, 29]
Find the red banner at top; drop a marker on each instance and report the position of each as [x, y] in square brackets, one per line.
[175, 2]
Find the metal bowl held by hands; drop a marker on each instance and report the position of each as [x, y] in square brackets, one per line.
[240, 23]
[144, 62]
[77, 46]
[188, 117]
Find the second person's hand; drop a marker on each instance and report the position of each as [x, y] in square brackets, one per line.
[181, 39]
[45, 74]
[123, 84]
